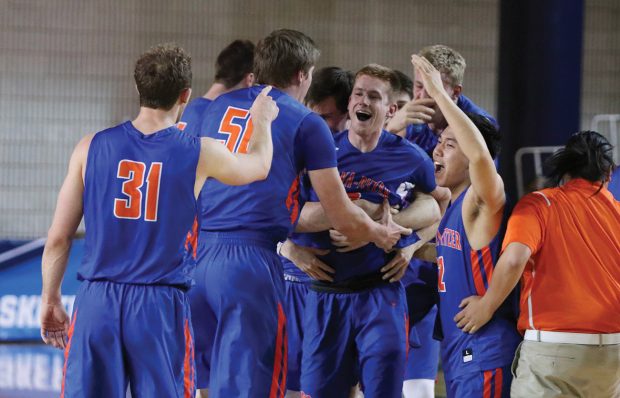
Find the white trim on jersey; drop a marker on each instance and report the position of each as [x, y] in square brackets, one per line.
[529, 296]
[544, 196]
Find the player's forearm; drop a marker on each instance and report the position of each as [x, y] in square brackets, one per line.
[506, 275]
[428, 252]
[53, 267]
[355, 224]
[423, 212]
[470, 140]
[427, 233]
[313, 218]
[260, 148]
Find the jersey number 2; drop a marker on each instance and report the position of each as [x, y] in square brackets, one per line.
[441, 268]
[238, 135]
[131, 206]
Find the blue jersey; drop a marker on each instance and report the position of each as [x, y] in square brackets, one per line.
[375, 175]
[464, 272]
[614, 184]
[422, 135]
[301, 139]
[138, 205]
[192, 116]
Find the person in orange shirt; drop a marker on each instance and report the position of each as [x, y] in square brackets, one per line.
[565, 244]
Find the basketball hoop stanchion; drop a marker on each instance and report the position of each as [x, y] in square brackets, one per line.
[536, 152]
[612, 134]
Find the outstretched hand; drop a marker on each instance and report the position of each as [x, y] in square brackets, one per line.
[430, 76]
[264, 109]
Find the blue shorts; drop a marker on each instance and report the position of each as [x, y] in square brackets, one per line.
[350, 334]
[424, 353]
[295, 293]
[240, 278]
[136, 334]
[494, 383]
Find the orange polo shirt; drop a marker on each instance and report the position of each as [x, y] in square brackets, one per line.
[572, 280]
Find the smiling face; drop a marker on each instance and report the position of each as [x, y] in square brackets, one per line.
[451, 165]
[370, 104]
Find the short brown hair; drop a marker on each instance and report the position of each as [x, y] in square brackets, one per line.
[447, 61]
[234, 62]
[382, 73]
[161, 74]
[281, 55]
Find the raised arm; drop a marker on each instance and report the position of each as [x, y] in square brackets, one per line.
[485, 182]
[218, 162]
[67, 217]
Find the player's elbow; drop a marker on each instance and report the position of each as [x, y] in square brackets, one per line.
[263, 170]
[57, 238]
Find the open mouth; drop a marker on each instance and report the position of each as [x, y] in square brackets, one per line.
[362, 116]
[438, 167]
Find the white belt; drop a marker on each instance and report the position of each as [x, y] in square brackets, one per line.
[572, 338]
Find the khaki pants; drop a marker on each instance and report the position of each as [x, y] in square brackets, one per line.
[566, 370]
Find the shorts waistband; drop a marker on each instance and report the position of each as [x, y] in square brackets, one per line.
[355, 285]
[242, 238]
[572, 338]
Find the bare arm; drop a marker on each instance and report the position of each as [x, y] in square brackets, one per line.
[69, 210]
[486, 183]
[428, 252]
[312, 218]
[348, 218]
[241, 168]
[423, 212]
[477, 311]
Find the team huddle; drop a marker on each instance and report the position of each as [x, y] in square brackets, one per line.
[307, 233]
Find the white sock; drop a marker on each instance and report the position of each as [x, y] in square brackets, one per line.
[419, 388]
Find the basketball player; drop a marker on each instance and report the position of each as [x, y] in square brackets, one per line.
[468, 243]
[239, 273]
[364, 298]
[329, 96]
[420, 282]
[233, 70]
[136, 186]
[421, 119]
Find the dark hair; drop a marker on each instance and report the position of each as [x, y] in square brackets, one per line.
[161, 74]
[587, 155]
[331, 81]
[405, 82]
[234, 62]
[382, 73]
[283, 54]
[490, 133]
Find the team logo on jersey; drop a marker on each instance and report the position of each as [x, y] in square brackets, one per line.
[449, 238]
[181, 125]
